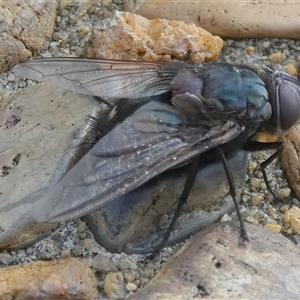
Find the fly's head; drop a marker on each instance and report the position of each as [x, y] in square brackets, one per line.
[284, 97]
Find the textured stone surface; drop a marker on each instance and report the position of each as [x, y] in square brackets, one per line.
[24, 26]
[290, 159]
[130, 36]
[41, 128]
[69, 279]
[235, 19]
[212, 265]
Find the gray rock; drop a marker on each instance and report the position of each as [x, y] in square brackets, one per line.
[103, 264]
[213, 265]
[5, 258]
[43, 129]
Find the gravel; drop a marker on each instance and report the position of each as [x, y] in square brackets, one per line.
[73, 28]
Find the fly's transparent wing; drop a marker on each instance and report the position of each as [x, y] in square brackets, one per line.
[149, 142]
[102, 77]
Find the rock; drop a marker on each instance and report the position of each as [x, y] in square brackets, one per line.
[213, 265]
[291, 219]
[131, 287]
[290, 157]
[5, 258]
[103, 264]
[228, 19]
[291, 69]
[114, 286]
[41, 130]
[273, 227]
[24, 28]
[130, 36]
[64, 280]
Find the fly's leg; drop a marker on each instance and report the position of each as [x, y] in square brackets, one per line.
[263, 166]
[258, 146]
[232, 189]
[182, 200]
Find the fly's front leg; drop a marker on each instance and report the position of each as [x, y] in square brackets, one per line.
[258, 146]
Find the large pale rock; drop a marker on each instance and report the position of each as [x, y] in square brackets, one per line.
[42, 129]
[212, 265]
[64, 280]
[290, 159]
[228, 19]
[24, 27]
[130, 36]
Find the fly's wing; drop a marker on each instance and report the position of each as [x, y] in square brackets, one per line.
[102, 77]
[152, 140]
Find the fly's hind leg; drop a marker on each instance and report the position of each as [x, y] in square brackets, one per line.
[232, 190]
[182, 200]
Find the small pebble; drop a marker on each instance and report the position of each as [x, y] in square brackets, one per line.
[64, 12]
[43, 255]
[271, 210]
[5, 258]
[84, 29]
[290, 68]
[29, 251]
[273, 227]
[129, 277]
[284, 208]
[124, 265]
[252, 166]
[226, 218]
[276, 57]
[114, 286]
[137, 282]
[82, 236]
[260, 175]
[144, 280]
[266, 44]
[256, 200]
[250, 50]
[133, 266]
[254, 182]
[263, 185]
[252, 220]
[11, 77]
[65, 253]
[106, 2]
[103, 264]
[291, 219]
[131, 287]
[90, 245]
[81, 227]
[284, 193]
[147, 273]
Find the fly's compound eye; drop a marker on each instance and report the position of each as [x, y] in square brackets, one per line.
[284, 93]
